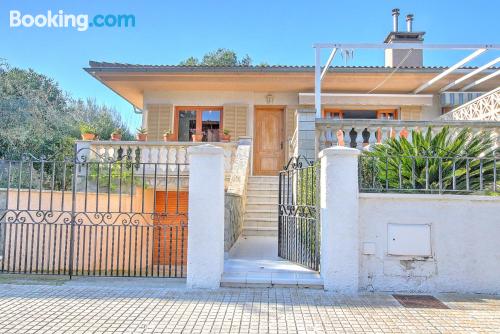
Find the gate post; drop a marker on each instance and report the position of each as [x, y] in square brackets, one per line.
[339, 219]
[205, 255]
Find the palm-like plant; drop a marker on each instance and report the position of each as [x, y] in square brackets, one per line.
[445, 161]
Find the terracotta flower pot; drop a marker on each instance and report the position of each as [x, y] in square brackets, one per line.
[170, 137]
[116, 136]
[88, 136]
[142, 136]
[225, 138]
[197, 137]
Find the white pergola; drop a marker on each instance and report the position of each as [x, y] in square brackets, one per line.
[478, 49]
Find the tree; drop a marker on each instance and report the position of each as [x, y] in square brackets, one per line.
[41, 119]
[101, 117]
[431, 162]
[33, 111]
[219, 57]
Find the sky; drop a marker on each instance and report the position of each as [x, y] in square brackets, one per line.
[271, 31]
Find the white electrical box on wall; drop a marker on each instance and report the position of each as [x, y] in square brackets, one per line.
[409, 239]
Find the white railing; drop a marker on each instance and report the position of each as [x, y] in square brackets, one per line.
[149, 152]
[363, 132]
[483, 108]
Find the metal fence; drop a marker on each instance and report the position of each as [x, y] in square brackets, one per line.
[429, 174]
[298, 223]
[99, 218]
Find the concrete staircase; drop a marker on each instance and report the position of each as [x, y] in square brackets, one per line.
[261, 215]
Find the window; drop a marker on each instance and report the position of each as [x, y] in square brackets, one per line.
[206, 121]
[360, 114]
[333, 113]
[387, 114]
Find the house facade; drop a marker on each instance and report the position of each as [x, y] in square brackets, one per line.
[261, 102]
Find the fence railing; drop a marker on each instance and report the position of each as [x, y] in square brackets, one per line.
[101, 218]
[359, 133]
[430, 174]
[298, 219]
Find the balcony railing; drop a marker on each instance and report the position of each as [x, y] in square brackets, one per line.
[149, 152]
[360, 133]
[483, 108]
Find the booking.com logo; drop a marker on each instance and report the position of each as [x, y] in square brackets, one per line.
[80, 22]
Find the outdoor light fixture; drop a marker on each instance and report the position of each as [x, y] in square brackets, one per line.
[269, 99]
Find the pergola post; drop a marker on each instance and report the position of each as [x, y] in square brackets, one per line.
[317, 83]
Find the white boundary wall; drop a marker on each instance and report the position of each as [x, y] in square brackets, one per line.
[464, 239]
[404, 242]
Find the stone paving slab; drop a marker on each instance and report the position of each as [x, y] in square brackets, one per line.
[147, 306]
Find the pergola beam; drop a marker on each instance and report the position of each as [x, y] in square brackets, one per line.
[449, 70]
[470, 75]
[483, 79]
[406, 46]
[320, 74]
[328, 63]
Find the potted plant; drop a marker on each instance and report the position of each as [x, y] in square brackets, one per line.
[225, 136]
[198, 136]
[168, 136]
[142, 134]
[88, 131]
[116, 135]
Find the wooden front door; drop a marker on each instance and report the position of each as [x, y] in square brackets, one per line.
[268, 141]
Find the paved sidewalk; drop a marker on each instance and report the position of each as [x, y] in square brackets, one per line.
[146, 306]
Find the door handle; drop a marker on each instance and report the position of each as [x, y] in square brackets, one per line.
[281, 145]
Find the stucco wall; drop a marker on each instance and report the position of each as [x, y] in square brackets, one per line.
[465, 243]
[218, 98]
[432, 112]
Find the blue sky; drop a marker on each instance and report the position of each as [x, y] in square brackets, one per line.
[272, 31]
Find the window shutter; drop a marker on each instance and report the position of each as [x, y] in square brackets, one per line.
[290, 121]
[234, 118]
[159, 119]
[411, 113]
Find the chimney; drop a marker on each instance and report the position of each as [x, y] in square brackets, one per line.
[395, 16]
[403, 57]
[409, 22]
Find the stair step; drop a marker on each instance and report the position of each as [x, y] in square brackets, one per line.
[261, 186]
[268, 231]
[274, 180]
[259, 210]
[273, 215]
[271, 279]
[259, 224]
[260, 221]
[265, 206]
[262, 195]
[262, 201]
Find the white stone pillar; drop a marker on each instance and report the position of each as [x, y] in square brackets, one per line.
[339, 219]
[205, 258]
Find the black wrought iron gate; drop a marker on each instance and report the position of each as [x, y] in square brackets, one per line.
[298, 223]
[110, 217]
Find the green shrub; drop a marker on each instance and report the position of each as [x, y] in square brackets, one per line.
[431, 163]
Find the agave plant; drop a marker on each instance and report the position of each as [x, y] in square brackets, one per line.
[446, 161]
